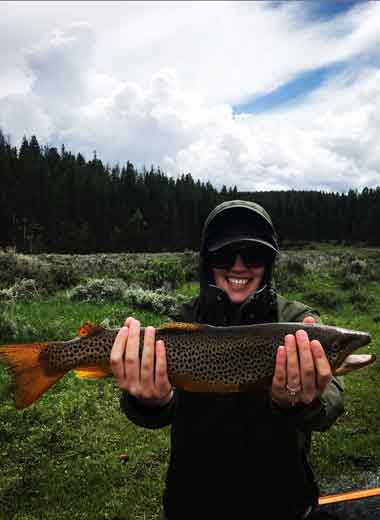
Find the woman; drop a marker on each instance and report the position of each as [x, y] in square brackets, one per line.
[235, 455]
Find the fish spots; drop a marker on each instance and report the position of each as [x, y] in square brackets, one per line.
[221, 361]
[84, 351]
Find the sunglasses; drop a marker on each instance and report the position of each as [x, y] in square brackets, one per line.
[225, 257]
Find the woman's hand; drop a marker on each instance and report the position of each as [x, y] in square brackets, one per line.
[302, 370]
[146, 379]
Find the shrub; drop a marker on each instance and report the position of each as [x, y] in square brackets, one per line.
[163, 272]
[12, 327]
[22, 290]
[295, 266]
[361, 299]
[190, 264]
[63, 276]
[348, 280]
[8, 327]
[99, 290]
[356, 266]
[325, 297]
[286, 280]
[48, 276]
[157, 301]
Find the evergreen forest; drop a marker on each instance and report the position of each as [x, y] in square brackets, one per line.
[55, 201]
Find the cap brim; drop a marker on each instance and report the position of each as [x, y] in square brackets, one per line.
[229, 241]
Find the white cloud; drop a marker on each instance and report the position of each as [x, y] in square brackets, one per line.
[153, 82]
[61, 65]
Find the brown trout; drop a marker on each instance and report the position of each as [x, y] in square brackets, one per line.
[200, 358]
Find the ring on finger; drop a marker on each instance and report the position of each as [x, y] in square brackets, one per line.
[293, 391]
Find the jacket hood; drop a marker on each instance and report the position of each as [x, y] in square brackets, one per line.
[227, 212]
[231, 204]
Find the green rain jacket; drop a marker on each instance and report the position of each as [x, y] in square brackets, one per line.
[233, 453]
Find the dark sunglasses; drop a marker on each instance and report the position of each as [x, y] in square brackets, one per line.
[225, 257]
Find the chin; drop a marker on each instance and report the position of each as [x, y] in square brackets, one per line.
[238, 297]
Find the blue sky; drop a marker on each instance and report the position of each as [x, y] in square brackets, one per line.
[303, 84]
[329, 8]
[322, 9]
[261, 95]
[291, 92]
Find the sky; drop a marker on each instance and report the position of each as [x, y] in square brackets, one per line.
[262, 95]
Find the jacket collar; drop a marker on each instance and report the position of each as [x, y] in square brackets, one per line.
[216, 308]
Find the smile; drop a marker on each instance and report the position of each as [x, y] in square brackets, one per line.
[239, 282]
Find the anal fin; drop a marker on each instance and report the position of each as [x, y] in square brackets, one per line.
[92, 372]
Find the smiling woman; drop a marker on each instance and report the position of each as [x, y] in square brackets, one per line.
[269, 432]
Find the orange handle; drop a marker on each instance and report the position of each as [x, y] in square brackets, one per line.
[349, 495]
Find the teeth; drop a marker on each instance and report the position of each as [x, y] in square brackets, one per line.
[238, 281]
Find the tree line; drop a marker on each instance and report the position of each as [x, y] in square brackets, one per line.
[55, 201]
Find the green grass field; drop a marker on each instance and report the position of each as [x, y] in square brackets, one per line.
[60, 458]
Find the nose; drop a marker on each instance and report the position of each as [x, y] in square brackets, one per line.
[239, 264]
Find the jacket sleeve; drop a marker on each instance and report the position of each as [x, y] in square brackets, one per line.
[322, 413]
[151, 417]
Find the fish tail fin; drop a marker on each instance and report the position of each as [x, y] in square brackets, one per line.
[27, 369]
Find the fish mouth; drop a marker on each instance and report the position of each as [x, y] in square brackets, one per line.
[354, 341]
[354, 362]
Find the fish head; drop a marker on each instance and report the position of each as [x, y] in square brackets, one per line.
[342, 342]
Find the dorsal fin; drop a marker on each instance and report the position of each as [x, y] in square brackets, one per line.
[177, 326]
[90, 329]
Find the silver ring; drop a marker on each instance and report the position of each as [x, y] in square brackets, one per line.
[293, 391]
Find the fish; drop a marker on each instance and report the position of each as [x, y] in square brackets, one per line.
[200, 357]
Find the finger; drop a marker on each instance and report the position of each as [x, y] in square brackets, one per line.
[147, 360]
[279, 377]
[309, 319]
[293, 377]
[132, 357]
[307, 368]
[161, 376]
[117, 354]
[128, 321]
[322, 365]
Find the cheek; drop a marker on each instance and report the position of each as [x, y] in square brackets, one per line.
[218, 275]
[258, 275]
[258, 272]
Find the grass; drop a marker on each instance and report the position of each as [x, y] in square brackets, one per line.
[60, 458]
[351, 447]
[56, 317]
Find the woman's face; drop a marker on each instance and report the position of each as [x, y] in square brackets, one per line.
[239, 281]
